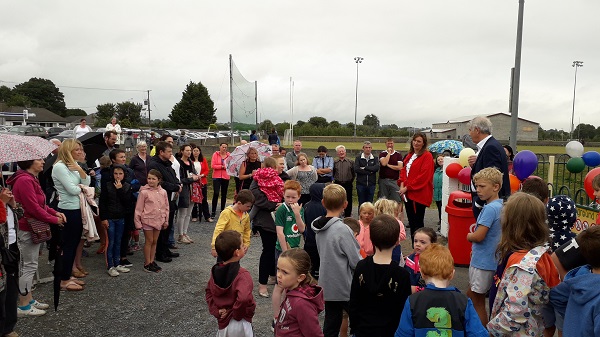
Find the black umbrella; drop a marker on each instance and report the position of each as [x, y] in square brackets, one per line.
[94, 146]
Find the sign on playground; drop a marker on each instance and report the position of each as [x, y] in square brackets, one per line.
[586, 217]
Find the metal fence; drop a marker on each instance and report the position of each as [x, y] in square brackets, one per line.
[563, 181]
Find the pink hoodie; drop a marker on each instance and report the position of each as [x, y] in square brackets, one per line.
[218, 165]
[152, 208]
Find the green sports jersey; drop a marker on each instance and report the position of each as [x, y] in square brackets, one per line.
[284, 217]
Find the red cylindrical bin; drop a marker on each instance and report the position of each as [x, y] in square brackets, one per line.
[460, 223]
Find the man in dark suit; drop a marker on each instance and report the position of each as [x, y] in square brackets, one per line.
[490, 153]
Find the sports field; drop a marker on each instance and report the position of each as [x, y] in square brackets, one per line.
[404, 147]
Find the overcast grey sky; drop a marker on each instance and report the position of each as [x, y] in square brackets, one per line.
[424, 61]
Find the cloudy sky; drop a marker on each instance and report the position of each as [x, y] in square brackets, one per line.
[424, 61]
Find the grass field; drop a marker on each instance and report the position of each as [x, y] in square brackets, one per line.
[403, 147]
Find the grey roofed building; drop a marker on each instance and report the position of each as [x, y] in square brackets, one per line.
[459, 127]
[75, 120]
[43, 117]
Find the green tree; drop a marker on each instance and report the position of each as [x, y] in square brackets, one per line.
[5, 93]
[319, 122]
[584, 131]
[130, 111]
[371, 120]
[266, 125]
[18, 100]
[335, 124]
[299, 124]
[42, 93]
[75, 112]
[104, 113]
[195, 106]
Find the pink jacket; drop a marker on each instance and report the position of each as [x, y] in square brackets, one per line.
[364, 237]
[152, 208]
[28, 192]
[218, 165]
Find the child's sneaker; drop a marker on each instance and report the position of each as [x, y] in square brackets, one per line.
[136, 247]
[30, 310]
[157, 267]
[126, 263]
[39, 305]
[148, 268]
[122, 269]
[112, 271]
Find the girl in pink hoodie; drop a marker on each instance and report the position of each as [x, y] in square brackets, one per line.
[299, 313]
[152, 215]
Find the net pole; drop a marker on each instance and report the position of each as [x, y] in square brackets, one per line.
[255, 105]
[231, 96]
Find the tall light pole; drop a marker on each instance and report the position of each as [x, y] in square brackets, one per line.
[576, 64]
[358, 60]
[516, 80]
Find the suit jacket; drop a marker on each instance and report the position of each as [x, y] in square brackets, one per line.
[491, 155]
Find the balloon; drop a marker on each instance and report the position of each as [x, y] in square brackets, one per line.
[453, 169]
[515, 184]
[534, 177]
[587, 182]
[574, 149]
[524, 164]
[575, 165]
[463, 156]
[464, 176]
[591, 158]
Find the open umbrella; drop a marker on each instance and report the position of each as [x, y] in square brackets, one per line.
[238, 156]
[19, 148]
[453, 146]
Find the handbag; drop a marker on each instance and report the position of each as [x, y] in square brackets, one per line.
[40, 231]
[197, 196]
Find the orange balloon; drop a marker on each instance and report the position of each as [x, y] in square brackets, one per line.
[515, 184]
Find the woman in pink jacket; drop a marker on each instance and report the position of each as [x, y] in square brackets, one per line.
[152, 215]
[28, 192]
[220, 177]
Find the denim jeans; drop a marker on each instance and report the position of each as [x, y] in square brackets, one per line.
[115, 233]
[365, 193]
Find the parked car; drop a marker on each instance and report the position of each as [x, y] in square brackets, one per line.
[4, 129]
[29, 130]
[65, 134]
[54, 131]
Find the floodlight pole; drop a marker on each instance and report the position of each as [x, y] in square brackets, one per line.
[516, 80]
[576, 64]
[358, 60]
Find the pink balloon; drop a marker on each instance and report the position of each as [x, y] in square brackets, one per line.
[464, 176]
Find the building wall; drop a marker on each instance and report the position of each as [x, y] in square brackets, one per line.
[526, 131]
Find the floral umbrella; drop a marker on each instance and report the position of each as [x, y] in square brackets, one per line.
[238, 156]
[19, 148]
[454, 146]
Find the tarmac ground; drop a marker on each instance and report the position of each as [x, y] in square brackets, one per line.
[169, 303]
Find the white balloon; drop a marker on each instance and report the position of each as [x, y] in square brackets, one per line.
[463, 156]
[574, 149]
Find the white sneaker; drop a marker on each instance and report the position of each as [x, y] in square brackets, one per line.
[39, 305]
[122, 269]
[113, 272]
[32, 311]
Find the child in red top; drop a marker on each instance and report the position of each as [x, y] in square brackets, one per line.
[229, 289]
[299, 312]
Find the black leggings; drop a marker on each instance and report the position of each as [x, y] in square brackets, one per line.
[221, 185]
[70, 235]
[266, 265]
[416, 215]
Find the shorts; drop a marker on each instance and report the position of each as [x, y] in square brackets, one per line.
[480, 281]
[149, 228]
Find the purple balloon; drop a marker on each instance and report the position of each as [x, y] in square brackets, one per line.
[524, 164]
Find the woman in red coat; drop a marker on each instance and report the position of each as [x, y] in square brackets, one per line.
[416, 181]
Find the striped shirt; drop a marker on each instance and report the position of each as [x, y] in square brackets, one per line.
[343, 170]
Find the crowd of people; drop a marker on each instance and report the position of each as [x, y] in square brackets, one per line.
[353, 268]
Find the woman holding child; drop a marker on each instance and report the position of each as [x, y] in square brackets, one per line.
[268, 195]
[416, 181]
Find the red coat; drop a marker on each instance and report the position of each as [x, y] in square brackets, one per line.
[419, 182]
[234, 294]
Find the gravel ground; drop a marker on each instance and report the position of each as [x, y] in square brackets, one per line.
[170, 303]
